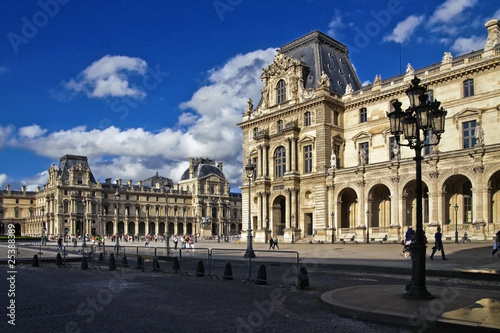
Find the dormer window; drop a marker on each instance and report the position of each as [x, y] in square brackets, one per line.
[281, 91]
[79, 179]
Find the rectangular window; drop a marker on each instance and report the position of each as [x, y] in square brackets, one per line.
[364, 153]
[336, 116]
[469, 88]
[468, 133]
[363, 115]
[308, 159]
[467, 209]
[427, 149]
[307, 119]
[336, 150]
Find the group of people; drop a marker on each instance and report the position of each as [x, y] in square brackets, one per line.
[438, 243]
[187, 241]
[273, 243]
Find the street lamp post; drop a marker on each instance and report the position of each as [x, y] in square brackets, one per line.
[249, 168]
[367, 227]
[292, 225]
[333, 227]
[117, 235]
[42, 238]
[456, 223]
[167, 243]
[416, 123]
[84, 226]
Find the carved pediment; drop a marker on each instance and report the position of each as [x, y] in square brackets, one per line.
[280, 66]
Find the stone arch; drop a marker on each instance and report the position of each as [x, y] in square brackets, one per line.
[278, 215]
[494, 198]
[379, 206]
[457, 190]
[348, 201]
[409, 203]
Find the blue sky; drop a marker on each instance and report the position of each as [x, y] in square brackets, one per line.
[139, 87]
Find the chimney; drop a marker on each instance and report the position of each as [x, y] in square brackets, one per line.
[191, 168]
[23, 188]
[493, 27]
[8, 188]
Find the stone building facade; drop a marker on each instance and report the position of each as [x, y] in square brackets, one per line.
[74, 203]
[328, 168]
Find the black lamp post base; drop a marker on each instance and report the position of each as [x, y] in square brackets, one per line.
[249, 254]
[415, 292]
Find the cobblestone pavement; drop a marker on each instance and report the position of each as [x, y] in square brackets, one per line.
[51, 299]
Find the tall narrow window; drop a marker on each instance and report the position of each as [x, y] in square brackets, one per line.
[280, 162]
[336, 116]
[307, 118]
[427, 149]
[469, 88]
[255, 131]
[280, 125]
[468, 133]
[363, 153]
[363, 115]
[336, 150]
[308, 159]
[281, 91]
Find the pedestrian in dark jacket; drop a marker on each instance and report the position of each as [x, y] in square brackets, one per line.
[271, 243]
[438, 244]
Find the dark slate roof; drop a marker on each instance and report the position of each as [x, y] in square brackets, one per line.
[156, 179]
[323, 53]
[68, 161]
[202, 169]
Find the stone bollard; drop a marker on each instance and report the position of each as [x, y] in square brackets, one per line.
[176, 267]
[156, 264]
[59, 260]
[36, 262]
[303, 279]
[261, 275]
[200, 270]
[124, 261]
[101, 257]
[228, 272]
[112, 263]
[85, 264]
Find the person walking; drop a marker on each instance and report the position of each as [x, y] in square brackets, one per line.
[59, 244]
[271, 243]
[438, 244]
[276, 242]
[496, 243]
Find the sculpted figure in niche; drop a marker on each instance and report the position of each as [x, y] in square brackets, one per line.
[249, 106]
[409, 69]
[333, 160]
[479, 134]
[362, 157]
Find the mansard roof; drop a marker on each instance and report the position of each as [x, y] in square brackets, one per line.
[157, 179]
[203, 168]
[322, 53]
[68, 161]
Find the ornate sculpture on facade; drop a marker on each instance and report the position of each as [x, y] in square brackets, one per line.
[333, 160]
[479, 134]
[409, 69]
[395, 151]
[324, 80]
[249, 107]
[349, 89]
[447, 58]
[378, 79]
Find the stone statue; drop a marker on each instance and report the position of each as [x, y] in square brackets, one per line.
[395, 151]
[447, 58]
[378, 79]
[249, 106]
[324, 80]
[479, 134]
[409, 69]
[349, 89]
[333, 160]
[362, 157]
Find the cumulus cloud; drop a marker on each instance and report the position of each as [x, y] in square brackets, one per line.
[450, 11]
[206, 128]
[32, 131]
[465, 45]
[404, 29]
[109, 76]
[5, 134]
[3, 179]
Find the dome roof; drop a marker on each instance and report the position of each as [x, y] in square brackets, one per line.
[202, 170]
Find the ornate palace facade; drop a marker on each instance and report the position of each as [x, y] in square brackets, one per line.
[73, 202]
[328, 168]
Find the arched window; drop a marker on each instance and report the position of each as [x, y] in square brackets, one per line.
[281, 91]
[280, 162]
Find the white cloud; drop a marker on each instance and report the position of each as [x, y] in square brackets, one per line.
[32, 131]
[207, 128]
[32, 183]
[450, 11]
[404, 29]
[109, 77]
[5, 134]
[3, 179]
[335, 25]
[465, 45]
